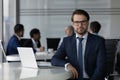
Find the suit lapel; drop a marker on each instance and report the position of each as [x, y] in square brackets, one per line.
[88, 45]
[74, 48]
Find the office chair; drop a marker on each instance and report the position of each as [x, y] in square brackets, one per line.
[3, 52]
[111, 47]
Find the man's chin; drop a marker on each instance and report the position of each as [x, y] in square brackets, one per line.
[82, 33]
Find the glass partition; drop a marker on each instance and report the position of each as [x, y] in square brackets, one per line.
[9, 19]
[1, 27]
[52, 16]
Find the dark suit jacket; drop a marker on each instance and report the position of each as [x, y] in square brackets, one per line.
[13, 43]
[95, 56]
[29, 43]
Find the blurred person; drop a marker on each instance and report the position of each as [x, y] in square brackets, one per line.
[14, 41]
[34, 42]
[69, 31]
[95, 27]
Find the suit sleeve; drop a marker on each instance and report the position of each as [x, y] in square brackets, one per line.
[59, 58]
[100, 71]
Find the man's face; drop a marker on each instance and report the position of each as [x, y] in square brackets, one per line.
[68, 32]
[37, 37]
[80, 24]
[21, 33]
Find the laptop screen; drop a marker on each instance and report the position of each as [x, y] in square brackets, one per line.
[27, 57]
[52, 43]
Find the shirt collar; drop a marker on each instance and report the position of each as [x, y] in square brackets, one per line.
[33, 40]
[95, 33]
[17, 36]
[84, 36]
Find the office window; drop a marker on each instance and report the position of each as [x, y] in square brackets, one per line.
[9, 19]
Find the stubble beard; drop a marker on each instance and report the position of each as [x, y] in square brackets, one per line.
[81, 32]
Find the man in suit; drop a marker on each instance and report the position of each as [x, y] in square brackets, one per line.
[83, 54]
[14, 41]
[34, 42]
[95, 27]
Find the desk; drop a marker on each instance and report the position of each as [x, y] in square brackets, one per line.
[38, 55]
[14, 71]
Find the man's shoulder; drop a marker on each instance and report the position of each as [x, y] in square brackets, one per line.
[95, 38]
[69, 37]
[12, 41]
[13, 38]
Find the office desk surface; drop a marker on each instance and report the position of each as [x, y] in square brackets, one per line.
[38, 55]
[14, 71]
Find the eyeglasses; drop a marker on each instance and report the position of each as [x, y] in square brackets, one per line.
[84, 22]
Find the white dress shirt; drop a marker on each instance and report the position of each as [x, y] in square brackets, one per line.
[35, 45]
[83, 52]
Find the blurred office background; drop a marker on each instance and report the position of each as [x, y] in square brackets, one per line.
[52, 16]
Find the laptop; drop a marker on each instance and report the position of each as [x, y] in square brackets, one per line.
[28, 59]
[52, 43]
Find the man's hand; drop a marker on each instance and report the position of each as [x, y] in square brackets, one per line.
[42, 49]
[73, 71]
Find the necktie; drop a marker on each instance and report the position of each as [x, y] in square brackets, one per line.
[80, 56]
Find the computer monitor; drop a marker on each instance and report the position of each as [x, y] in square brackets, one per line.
[52, 43]
[24, 42]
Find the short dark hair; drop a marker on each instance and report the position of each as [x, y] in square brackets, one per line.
[34, 31]
[95, 26]
[18, 28]
[80, 12]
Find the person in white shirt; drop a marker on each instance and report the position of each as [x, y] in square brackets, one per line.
[69, 31]
[34, 42]
[35, 36]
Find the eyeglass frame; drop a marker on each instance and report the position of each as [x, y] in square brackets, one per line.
[83, 22]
